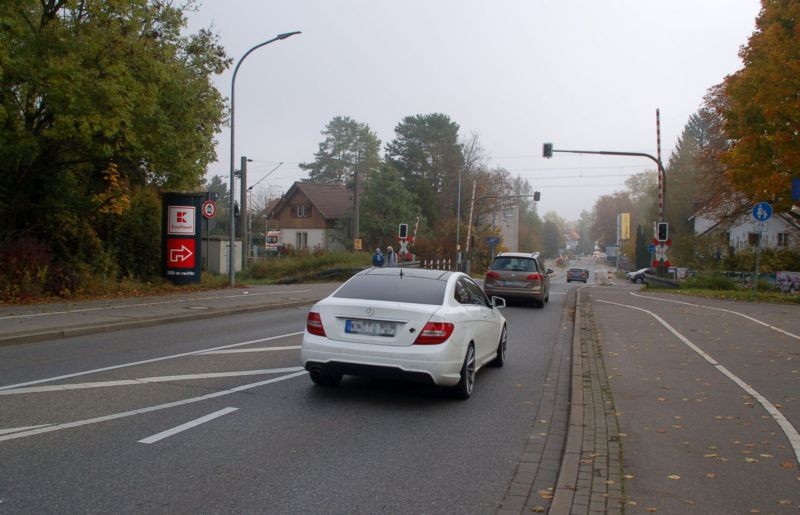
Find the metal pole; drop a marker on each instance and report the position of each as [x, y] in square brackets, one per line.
[458, 223]
[243, 211]
[231, 268]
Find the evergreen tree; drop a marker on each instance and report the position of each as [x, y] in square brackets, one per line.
[348, 147]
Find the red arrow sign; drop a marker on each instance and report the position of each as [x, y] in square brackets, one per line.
[180, 253]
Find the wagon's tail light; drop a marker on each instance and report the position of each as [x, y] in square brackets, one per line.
[314, 324]
[492, 275]
[434, 333]
[537, 277]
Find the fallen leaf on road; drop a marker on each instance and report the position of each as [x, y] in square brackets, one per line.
[715, 455]
[628, 476]
[785, 502]
[674, 477]
[690, 503]
[711, 475]
[651, 509]
[788, 465]
[662, 399]
[661, 430]
[545, 494]
[538, 509]
[751, 460]
[611, 482]
[766, 455]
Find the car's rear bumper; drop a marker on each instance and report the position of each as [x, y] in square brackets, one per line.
[432, 364]
[537, 293]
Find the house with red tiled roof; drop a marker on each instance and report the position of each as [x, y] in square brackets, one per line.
[307, 214]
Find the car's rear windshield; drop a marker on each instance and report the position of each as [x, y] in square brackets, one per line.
[514, 264]
[394, 288]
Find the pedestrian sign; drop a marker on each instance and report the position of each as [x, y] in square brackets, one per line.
[762, 211]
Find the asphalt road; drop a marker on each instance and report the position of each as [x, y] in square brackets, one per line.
[215, 416]
[707, 394]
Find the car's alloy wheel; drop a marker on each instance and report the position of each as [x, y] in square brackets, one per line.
[464, 387]
[500, 359]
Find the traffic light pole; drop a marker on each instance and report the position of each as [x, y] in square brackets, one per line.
[548, 152]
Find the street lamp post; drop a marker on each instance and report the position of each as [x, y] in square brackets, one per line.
[231, 266]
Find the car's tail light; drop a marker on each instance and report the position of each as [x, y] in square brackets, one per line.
[314, 324]
[534, 277]
[492, 275]
[434, 333]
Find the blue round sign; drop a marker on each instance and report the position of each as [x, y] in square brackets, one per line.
[762, 211]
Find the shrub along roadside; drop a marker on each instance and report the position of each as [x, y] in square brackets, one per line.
[272, 270]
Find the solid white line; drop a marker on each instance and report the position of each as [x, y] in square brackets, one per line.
[188, 425]
[778, 329]
[145, 380]
[115, 416]
[19, 429]
[143, 362]
[125, 306]
[788, 429]
[259, 349]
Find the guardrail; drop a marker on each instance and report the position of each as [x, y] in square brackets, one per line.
[661, 282]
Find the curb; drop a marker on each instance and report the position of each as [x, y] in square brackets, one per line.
[107, 327]
[570, 460]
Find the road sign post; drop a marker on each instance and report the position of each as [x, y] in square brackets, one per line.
[761, 213]
[181, 242]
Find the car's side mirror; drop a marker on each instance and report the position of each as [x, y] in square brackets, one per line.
[549, 271]
[498, 302]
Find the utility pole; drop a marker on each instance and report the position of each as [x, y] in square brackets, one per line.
[243, 229]
[356, 203]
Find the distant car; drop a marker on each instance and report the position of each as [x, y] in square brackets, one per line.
[430, 326]
[577, 274]
[637, 276]
[519, 275]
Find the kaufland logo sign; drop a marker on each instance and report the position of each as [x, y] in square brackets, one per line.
[180, 220]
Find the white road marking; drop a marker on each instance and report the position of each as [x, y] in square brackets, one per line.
[143, 362]
[778, 329]
[150, 409]
[19, 429]
[258, 349]
[558, 293]
[145, 380]
[788, 429]
[188, 425]
[124, 306]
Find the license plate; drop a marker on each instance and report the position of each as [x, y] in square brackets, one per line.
[514, 283]
[370, 327]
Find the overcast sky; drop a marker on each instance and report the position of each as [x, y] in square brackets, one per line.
[582, 74]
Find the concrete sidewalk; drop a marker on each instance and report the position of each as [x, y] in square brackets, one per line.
[30, 323]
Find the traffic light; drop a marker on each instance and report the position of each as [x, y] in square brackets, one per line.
[547, 150]
[663, 231]
[536, 196]
[403, 231]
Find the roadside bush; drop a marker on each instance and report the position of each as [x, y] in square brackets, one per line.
[713, 281]
[299, 266]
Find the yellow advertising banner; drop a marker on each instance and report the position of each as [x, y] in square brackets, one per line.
[624, 226]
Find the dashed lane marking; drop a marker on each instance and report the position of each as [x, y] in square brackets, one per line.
[125, 306]
[188, 425]
[145, 380]
[143, 362]
[258, 349]
[788, 429]
[115, 416]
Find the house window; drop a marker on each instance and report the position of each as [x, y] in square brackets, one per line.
[301, 240]
[302, 211]
[783, 239]
[752, 238]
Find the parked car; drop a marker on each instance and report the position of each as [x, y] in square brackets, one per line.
[431, 326]
[577, 274]
[519, 275]
[637, 276]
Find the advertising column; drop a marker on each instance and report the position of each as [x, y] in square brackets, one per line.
[180, 237]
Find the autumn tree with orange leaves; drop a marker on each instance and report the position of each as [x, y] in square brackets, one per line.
[757, 111]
